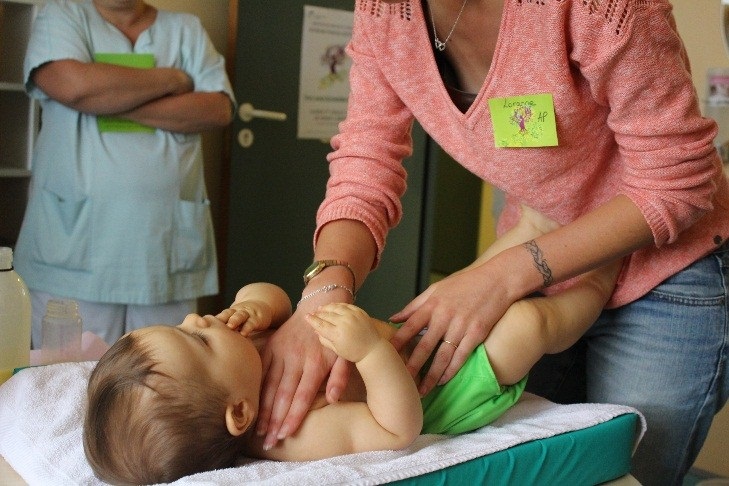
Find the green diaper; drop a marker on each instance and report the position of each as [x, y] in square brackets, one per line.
[471, 399]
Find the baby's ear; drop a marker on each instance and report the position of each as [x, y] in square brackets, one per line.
[239, 416]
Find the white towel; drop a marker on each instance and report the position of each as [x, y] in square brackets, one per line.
[41, 412]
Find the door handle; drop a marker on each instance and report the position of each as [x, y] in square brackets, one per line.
[246, 112]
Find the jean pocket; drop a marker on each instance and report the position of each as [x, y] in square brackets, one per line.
[190, 236]
[701, 283]
[62, 231]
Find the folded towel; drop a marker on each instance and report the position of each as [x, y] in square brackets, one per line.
[41, 412]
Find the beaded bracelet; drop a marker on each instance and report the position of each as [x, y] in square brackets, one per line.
[326, 288]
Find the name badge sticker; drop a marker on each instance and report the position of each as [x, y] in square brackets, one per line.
[524, 121]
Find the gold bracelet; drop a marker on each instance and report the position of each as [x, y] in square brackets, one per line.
[317, 266]
[326, 288]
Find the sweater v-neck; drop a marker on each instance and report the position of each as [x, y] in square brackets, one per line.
[468, 105]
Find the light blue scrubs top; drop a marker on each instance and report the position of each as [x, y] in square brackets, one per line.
[118, 217]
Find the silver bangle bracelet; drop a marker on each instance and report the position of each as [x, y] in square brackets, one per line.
[326, 288]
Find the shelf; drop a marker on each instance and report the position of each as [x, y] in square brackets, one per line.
[8, 173]
[18, 124]
[25, 2]
[13, 200]
[4, 86]
[19, 115]
[16, 19]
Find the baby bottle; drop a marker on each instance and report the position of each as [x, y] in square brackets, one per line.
[61, 332]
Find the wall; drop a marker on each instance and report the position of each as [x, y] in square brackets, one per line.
[700, 27]
[699, 24]
[212, 13]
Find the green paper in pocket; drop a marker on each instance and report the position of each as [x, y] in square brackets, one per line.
[524, 121]
[111, 123]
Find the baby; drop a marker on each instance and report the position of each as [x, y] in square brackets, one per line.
[165, 402]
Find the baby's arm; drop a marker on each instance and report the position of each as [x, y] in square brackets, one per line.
[257, 306]
[392, 417]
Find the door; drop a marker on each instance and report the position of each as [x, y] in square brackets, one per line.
[277, 183]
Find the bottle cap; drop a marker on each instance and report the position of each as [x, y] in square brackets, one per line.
[62, 308]
[6, 258]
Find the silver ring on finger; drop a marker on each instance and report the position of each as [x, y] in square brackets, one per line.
[445, 341]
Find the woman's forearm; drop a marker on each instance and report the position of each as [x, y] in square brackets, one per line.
[349, 241]
[609, 232]
[185, 113]
[107, 89]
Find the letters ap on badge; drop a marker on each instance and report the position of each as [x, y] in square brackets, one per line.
[524, 121]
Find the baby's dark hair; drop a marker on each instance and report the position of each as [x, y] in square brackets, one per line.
[143, 426]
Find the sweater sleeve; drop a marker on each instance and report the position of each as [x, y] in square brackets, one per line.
[366, 174]
[632, 56]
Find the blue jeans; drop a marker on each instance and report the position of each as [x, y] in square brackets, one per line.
[665, 354]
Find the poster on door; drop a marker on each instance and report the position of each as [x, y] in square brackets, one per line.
[324, 74]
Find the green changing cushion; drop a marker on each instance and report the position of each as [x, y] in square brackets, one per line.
[587, 456]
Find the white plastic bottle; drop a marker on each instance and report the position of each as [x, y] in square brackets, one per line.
[14, 317]
[62, 328]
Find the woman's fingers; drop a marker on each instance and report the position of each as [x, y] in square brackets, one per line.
[295, 365]
[338, 379]
[461, 352]
[413, 306]
[273, 371]
[296, 408]
[443, 355]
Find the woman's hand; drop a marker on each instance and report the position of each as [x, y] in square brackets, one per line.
[458, 312]
[295, 365]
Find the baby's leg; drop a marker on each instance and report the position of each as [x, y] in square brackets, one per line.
[531, 224]
[535, 326]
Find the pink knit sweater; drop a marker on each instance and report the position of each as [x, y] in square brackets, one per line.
[626, 111]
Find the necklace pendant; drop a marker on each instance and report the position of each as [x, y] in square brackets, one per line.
[441, 44]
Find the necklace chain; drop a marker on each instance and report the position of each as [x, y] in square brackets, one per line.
[441, 44]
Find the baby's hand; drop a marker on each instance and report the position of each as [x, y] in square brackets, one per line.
[345, 329]
[247, 316]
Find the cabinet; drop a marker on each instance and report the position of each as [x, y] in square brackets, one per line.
[19, 116]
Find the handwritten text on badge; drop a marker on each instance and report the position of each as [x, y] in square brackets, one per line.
[524, 121]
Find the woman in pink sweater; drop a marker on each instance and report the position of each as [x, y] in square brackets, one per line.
[581, 109]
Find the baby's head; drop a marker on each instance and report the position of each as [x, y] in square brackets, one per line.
[165, 402]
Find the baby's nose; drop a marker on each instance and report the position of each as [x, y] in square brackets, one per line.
[195, 320]
[211, 320]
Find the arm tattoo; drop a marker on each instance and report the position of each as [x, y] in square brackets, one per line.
[539, 262]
